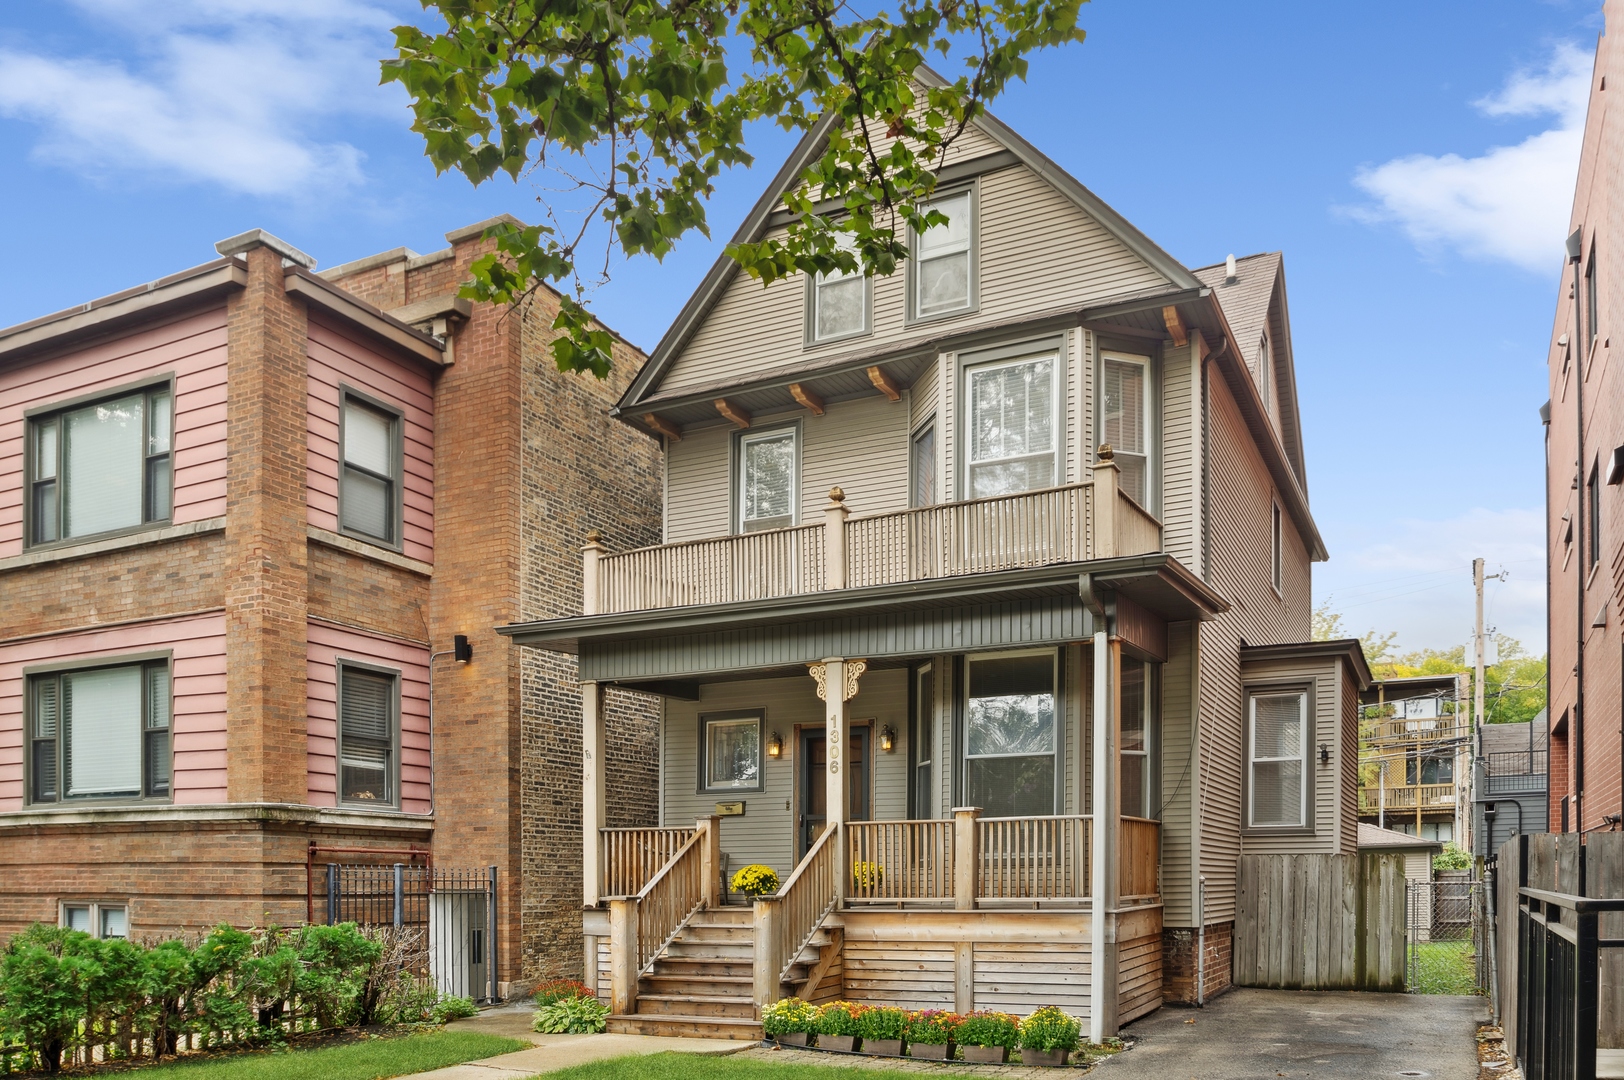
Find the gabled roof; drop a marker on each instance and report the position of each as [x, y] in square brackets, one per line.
[755, 224]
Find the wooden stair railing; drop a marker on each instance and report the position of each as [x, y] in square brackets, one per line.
[631, 857]
[1138, 859]
[787, 921]
[641, 926]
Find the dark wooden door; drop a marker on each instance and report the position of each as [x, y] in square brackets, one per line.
[813, 811]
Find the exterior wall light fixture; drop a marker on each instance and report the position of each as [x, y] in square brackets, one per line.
[1325, 754]
[775, 745]
[460, 648]
[888, 738]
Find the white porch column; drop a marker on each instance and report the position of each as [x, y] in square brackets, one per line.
[837, 684]
[1103, 876]
[593, 796]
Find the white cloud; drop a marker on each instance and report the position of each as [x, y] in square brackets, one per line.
[1415, 577]
[1511, 203]
[229, 92]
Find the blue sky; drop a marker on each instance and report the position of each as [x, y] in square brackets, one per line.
[1413, 161]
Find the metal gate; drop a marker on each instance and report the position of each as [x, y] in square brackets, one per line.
[1444, 922]
[449, 915]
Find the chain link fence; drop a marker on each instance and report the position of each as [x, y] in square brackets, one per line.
[1445, 921]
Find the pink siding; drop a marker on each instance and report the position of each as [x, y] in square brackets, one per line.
[335, 359]
[330, 644]
[199, 719]
[193, 349]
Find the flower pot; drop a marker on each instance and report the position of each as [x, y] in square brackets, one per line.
[987, 1055]
[883, 1047]
[1051, 1058]
[933, 1051]
[792, 1038]
[848, 1043]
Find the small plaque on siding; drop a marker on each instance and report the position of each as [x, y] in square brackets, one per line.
[729, 809]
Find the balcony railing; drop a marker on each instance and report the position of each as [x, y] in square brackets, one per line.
[1515, 770]
[1074, 523]
[1404, 797]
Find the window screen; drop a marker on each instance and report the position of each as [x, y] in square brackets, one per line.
[1012, 426]
[1010, 740]
[942, 260]
[1278, 749]
[1124, 423]
[767, 480]
[366, 736]
[733, 753]
[368, 503]
[101, 468]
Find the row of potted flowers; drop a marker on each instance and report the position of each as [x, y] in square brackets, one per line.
[1047, 1037]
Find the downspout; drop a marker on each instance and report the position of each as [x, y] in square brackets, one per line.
[1575, 252]
[1550, 623]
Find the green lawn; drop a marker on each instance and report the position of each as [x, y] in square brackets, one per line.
[1442, 967]
[368, 1059]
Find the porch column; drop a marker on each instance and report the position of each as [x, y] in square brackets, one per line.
[592, 791]
[1106, 477]
[1103, 875]
[837, 684]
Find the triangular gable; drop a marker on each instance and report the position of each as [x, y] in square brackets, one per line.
[723, 273]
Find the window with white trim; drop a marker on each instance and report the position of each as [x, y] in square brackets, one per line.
[100, 468]
[923, 742]
[100, 733]
[944, 273]
[1011, 411]
[1011, 743]
[1138, 738]
[922, 464]
[767, 479]
[1277, 748]
[839, 301]
[97, 919]
[368, 736]
[1125, 421]
[369, 496]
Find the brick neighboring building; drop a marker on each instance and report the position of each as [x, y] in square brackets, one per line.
[1584, 470]
[229, 493]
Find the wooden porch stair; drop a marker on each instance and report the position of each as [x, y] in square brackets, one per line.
[701, 984]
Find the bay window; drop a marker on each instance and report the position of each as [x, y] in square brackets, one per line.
[767, 488]
[100, 468]
[100, 733]
[1277, 766]
[1011, 742]
[1011, 409]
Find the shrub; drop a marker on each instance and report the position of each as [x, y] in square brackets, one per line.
[572, 1016]
[1049, 1029]
[1451, 858]
[867, 875]
[558, 989]
[840, 1018]
[988, 1029]
[932, 1027]
[882, 1022]
[789, 1017]
[755, 880]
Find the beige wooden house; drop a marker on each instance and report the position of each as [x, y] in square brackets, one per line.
[973, 620]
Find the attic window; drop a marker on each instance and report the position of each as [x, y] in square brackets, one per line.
[944, 271]
[837, 303]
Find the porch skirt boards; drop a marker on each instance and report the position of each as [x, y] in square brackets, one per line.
[792, 1038]
[883, 1047]
[987, 1055]
[845, 1043]
[933, 1051]
[1051, 1058]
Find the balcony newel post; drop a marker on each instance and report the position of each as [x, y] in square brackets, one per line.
[1106, 473]
[966, 856]
[591, 552]
[710, 859]
[834, 540]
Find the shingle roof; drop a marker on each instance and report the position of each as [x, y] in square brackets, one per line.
[1245, 300]
[1372, 837]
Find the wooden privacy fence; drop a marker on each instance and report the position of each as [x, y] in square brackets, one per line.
[1320, 922]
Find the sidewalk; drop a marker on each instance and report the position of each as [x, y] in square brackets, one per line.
[553, 1052]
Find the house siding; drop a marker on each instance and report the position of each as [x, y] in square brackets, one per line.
[192, 348]
[1324, 681]
[1178, 755]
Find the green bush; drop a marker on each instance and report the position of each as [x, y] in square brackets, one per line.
[881, 1022]
[840, 1018]
[448, 1009]
[789, 1017]
[1049, 1029]
[1451, 858]
[989, 1029]
[572, 1016]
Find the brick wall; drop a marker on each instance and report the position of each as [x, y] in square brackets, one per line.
[1179, 947]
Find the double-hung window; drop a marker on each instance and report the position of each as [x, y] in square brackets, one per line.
[839, 302]
[732, 752]
[100, 468]
[1125, 421]
[368, 736]
[100, 733]
[1011, 743]
[369, 502]
[922, 466]
[767, 488]
[1138, 736]
[944, 270]
[1277, 748]
[923, 742]
[1011, 408]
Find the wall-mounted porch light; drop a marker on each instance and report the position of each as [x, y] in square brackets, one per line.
[888, 738]
[1325, 754]
[775, 745]
[460, 648]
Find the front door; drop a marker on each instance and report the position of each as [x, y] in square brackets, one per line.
[814, 788]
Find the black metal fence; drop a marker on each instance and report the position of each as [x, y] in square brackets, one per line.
[1511, 770]
[1558, 967]
[450, 912]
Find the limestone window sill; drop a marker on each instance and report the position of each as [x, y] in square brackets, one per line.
[117, 543]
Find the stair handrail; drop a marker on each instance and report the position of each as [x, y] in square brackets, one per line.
[808, 897]
[669, 900]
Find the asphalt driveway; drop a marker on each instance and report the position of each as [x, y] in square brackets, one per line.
[1268, 1034]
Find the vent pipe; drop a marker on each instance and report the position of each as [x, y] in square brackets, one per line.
[1229, 270]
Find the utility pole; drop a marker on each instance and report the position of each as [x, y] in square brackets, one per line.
[1477, 651]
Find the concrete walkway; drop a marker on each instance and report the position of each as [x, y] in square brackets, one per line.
[552, 1052]
[1268, 1034]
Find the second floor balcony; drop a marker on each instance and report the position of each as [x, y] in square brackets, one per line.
[1073, 523]
[1430, 798]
